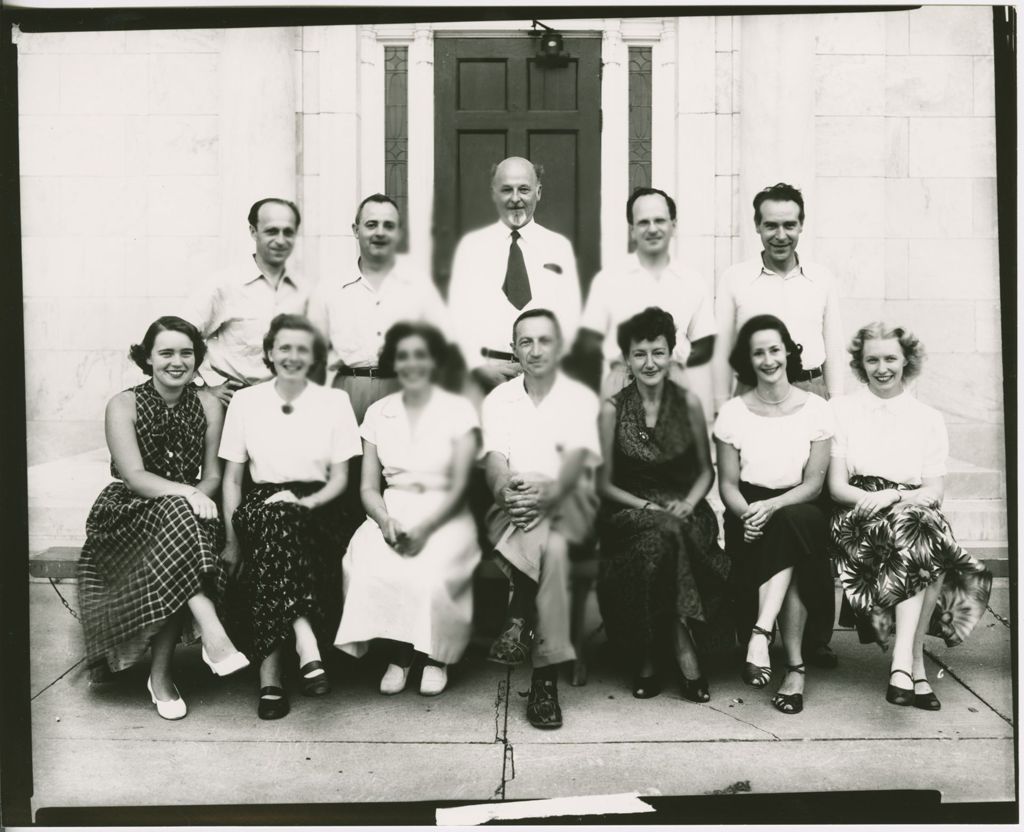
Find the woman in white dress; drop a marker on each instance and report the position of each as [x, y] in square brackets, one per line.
[409, 568]
[900, 566]
[773, 451]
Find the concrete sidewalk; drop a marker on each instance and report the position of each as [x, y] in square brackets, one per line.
[107, 747]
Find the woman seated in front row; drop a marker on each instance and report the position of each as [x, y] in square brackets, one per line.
[285, 535]
[150, 564]
[661, 566]
[773, 452]
[898, 561]
[409, 567]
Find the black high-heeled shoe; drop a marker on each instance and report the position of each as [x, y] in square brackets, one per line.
[646, 687]
[755, 675]
[925, 701]
[694, 690]
[790, 703]
[899, 696]
[273, 703]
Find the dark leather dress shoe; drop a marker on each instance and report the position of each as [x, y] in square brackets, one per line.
[317, 684]
[542, 707]
[513, 645]
[272, 708]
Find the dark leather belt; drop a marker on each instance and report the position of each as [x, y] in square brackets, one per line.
[502, 356]
[807, 375]
[364, 372]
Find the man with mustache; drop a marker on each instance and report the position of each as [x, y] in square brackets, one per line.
[354, 309]
[541, 448]
[647, 278]
[234, 310]
[507, 268]
[804, 295]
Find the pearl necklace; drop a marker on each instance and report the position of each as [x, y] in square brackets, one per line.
[769, 401]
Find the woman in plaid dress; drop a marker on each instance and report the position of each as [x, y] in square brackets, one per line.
[153, 536]
[286, 534]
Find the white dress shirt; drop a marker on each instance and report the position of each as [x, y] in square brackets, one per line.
[534, 438]
[899, 439]
[289, 447]
[233, 312]
[774, 449]
[482, 316]
[807, 302]
[354, 316]
[621, 291]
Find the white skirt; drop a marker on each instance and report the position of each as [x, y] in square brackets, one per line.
[426, 600]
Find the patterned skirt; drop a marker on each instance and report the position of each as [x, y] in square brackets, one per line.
[291, 568]
[657, 569]
[142, 560]
[892, 556]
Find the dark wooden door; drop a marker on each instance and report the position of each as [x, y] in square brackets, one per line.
[493, 99]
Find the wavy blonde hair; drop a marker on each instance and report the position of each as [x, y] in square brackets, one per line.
[913, 350]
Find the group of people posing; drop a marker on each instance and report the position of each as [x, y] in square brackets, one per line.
[260, 510]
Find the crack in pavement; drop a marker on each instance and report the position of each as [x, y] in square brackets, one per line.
[62, 675]
[508, 767]
[977, 695]
[738, 719]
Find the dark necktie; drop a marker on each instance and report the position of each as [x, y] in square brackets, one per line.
[517, 282]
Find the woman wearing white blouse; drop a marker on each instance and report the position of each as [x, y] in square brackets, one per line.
[286, 534]
[773, 447]
[898, 561]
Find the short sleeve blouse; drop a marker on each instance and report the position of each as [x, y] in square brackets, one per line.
[773, 449]
[289, 447]
[899, 439]
[420, 456]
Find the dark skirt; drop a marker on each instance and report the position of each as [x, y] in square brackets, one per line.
[797, 537]
[892, 556]
[143, 559]
[291, 559]
[656, 570]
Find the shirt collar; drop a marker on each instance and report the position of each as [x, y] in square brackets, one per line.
[526, 232]
[520, 388]
[639, 268]
[877, 404]
[798, 269]
[252, 274]
[397, 274]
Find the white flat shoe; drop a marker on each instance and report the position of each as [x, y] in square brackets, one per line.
[168, 708]
[225, 667]
[393, 680]
[434, 680]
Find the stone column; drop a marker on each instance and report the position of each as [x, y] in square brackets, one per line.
[614, 141]
[421, 147]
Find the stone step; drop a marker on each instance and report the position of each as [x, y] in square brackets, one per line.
[982, 520]
[978, 443]
[967, 481]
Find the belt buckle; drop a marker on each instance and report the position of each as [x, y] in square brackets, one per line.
[371, 372]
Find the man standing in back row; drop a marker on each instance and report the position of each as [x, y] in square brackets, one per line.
[805, 297]
[506, 268]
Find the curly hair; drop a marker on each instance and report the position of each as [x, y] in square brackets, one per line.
[647, 326]
[437, 346]
[302, 324]
[913, 349]
[739, 358]
[780, 192]
[139, 353]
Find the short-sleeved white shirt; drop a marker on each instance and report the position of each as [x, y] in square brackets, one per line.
[535, 438]
[773, 449]
[619, 292]
[289, 447]
[899, 439]
[418, 456]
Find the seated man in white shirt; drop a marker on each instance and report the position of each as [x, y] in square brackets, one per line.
[541, 446]
[647, 278]
[802, 294]
[355, 308]
[506, 268]
[233, 311]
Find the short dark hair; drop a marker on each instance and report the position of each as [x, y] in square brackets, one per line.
[138, 353]
[254, 212]
[383, 198]
[647, 326]
[536, 313]
[639, 192]
[913, 349]
[303, 324]
[739, 358]
[437, 346]
[780, 192]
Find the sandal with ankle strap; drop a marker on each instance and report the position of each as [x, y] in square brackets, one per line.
[899, 696]
[755, 675]
[925, 701]
[790, 703]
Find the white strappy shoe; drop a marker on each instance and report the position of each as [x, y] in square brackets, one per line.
[225, 667]
[168, 708]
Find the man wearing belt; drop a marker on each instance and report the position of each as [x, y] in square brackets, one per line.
[234, 310]
[506, 268]
[805, 297]
[354, 310]
[648, 278]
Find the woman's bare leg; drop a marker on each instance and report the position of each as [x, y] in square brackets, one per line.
[792, 620]
[162, 649]
[770, 597]
[216, 641]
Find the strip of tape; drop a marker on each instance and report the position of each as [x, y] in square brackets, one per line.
[601, 804]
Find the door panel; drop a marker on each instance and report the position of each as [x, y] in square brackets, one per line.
[494, 99]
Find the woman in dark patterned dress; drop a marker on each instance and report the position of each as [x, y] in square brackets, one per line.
[662, 570]
[900, 566]
[153, 537]
[286, 534]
